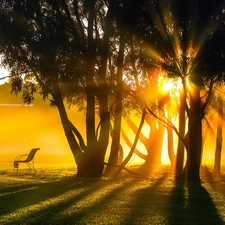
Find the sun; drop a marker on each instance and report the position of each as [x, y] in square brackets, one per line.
[167, 85]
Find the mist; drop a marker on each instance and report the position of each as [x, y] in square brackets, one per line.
[25, 127]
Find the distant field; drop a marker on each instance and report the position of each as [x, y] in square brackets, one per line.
[54, 196]
[6, 166]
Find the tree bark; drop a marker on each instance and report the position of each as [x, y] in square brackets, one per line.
[180, 146]
[97, 143]
[114, 153]
[219, 139]
[68, 129]
[170, 141]
[154, 145]
[90, 85]
[194, 145]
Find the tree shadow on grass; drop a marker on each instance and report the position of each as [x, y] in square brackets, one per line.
[129, 201]
[39, 203]
[25, 195]
[192, 204]
[217, 185]
[146, 207]
[70, 204]
[105, 206]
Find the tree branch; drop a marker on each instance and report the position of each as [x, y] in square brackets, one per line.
[78, 135]
[134, 128]
[133, 146]
[129, 171]
[128, 142]
[208, 98]
[2, 78]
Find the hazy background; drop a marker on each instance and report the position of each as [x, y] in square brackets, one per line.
[25, 127]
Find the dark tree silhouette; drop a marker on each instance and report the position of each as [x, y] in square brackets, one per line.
[65, 47]
[219, 136]
[75, 48]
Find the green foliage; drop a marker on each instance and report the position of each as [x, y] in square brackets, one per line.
[16, 83]
[37, 39]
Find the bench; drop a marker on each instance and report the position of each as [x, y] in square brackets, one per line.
[27, 159]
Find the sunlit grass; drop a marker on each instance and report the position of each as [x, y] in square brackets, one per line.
[54, 196]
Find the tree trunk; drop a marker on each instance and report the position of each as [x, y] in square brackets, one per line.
[180, 147]
[194, 146]
[74, 146]
[103, 140]
[93, 161]
[170, 141]
[90, 85]
[219, 139]
[90, 164]
[161, 133]
[154, 146]
[114, 153]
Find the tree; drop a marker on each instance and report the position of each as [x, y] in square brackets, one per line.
[60, 45]
[69, 47]
[219, 137]
[182, 42]
[182, 125]
[115, 146]
[204, 69]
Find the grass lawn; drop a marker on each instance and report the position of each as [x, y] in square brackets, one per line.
[53, 196]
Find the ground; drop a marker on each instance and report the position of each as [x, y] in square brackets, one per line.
[54, 196]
